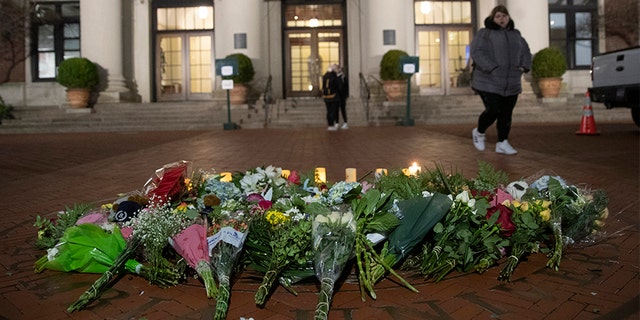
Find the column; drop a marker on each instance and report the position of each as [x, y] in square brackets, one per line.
[380, 15]
[532, 19]
[238, 17]
[101, 41]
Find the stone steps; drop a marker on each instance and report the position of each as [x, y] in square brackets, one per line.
[290, 113]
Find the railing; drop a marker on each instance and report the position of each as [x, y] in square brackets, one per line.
[365, 95]
[267, 97]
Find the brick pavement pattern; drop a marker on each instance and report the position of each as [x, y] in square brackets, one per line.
[41, 174]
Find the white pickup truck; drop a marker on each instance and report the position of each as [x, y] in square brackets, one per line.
[616, 80]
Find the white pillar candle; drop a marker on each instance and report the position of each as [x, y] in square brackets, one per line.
[350, 175]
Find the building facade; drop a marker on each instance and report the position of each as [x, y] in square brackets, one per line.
[166, 50]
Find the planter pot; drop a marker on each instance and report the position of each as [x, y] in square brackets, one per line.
[78, 98]
[395, 90]
[550, 87]
[238, 94]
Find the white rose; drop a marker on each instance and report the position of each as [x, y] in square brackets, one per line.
[334, 217]
[463, 196]
[472, 203]
[321, 219]
[347, 217]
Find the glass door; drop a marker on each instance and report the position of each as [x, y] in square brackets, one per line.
[185, 67]
[309, 56]
[313, 38]
[171, 71]
[184, 57]
[444, 60]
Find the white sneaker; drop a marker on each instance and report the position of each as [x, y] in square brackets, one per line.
[345, 126]
[332, 128]
[478, 139]
[505, 148]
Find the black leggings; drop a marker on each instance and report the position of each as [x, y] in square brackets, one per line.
[497, 107]
[332, 112]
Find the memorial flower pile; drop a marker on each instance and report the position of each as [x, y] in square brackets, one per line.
[291, 228]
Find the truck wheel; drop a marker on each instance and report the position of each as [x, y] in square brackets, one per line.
[635, 114]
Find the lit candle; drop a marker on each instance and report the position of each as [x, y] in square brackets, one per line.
[414, 169]
[225, 176]
[321, 175]
[350, 175]
[380, 172]
[286, 173]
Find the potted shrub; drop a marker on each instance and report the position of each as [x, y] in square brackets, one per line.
[80, 76]
[547, 68]
[241, 80]
[394, 82]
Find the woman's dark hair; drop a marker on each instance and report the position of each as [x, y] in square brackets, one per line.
[497, 9]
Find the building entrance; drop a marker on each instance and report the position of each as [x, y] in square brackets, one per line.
[184, 53]
[314, 40]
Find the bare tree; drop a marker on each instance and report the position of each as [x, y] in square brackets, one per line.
[621, 24]
[14, 17]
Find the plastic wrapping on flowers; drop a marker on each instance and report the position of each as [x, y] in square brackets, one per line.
[333, 241]
[228, 233]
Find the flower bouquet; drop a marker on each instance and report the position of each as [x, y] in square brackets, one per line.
[333, 241]
[167, 183]
[418, 217]
[531, 220]
[288, 239]
[465, 239]
[191, 244]
[374, 221]
[88, 248]
[226, 237]
[152, 228]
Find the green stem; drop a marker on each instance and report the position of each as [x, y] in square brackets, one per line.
[103, 282]
[222, 299]
[203, 268]
[512, 262]
[263, 290]
[324, 300]
[381, 261]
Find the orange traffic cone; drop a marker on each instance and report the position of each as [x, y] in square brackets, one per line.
[588, 125]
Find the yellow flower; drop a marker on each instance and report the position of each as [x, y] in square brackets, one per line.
[545, 214]
[182, 207]
[546, 203]
[507, 203]
[187, 182]
[524, 206]
[276, 217]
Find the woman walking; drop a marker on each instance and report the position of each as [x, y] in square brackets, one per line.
[500, 55]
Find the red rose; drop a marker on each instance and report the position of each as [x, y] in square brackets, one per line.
[504, 219]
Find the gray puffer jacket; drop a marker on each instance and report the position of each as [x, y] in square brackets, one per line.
[500, 56]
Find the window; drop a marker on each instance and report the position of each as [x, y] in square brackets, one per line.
[573, 30]
[55, 37]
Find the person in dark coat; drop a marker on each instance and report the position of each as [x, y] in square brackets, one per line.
[500, 55]
[331, 96]
[344, 94]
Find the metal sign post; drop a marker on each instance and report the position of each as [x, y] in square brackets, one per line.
[409, 66]
[227, 68]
